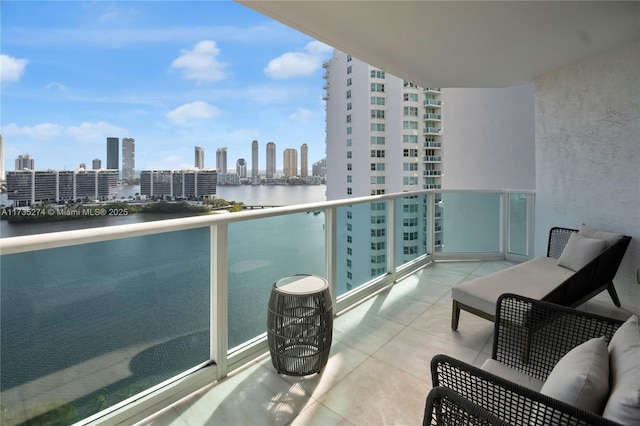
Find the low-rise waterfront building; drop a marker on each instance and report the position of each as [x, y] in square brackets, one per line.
[199, 183]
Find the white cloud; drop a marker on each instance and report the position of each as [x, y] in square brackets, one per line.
[11, 69]
[296, 64]
[84, 132]
[197, 109]
[301, 114]
[201, 63]
[57, 85]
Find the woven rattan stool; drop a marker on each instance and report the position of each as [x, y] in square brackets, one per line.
[300, 324]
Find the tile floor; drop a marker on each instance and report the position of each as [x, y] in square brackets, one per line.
[378, 371]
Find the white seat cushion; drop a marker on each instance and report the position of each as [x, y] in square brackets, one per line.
[533, 278]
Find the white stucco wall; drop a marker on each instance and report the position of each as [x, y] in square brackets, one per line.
[588, 153]
[489, 138]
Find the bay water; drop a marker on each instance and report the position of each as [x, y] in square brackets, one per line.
[87, 326]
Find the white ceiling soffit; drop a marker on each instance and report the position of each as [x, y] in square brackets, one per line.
[463, 43]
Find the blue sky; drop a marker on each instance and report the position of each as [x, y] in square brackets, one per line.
[171, 74]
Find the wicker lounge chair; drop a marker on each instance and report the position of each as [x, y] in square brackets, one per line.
[543, 278]
[530, 338]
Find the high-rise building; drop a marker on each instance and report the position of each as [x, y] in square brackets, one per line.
[241, 168]
[3, 175]
[254, 162]
[112, 153]
[271, 160]
[28, 187]
[383, 136]
[319, 168]
[221, 160]
[128, 158]
[290, 162]
[304, 161]
[198, 183]
[199, 157]
[25, 161]
[96, 164]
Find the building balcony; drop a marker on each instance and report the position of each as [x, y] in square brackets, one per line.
[432, 145]
[432, 173]
[120, 324]
[432, 130]
[433, 102]
[432, 117]
[432, 159]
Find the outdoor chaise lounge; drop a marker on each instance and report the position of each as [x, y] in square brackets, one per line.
[550, 365]
[579, 265]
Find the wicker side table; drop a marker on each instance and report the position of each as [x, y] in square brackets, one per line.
[300, 324]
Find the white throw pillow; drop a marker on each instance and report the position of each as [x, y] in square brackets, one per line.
[579, 251]
[581, 377]
[609, 237]
[623, 405]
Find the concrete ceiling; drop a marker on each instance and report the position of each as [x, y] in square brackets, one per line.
[463, 43]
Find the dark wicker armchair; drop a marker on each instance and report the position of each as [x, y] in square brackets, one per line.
[530, 336]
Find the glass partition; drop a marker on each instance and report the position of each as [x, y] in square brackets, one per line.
[471, 222]
[410, 228]
[518, 207]
[361, 244]
[84, 327]
[262, 251]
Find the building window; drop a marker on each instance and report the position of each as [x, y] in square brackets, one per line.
[349, 130]
[377, 100]
[349, 251]
[349, 142]
[349, 215]
[349, 191]
[348, 106]
[377, 113]
[349, 177]
[377, 87]
[349, 81]
[349, 166]
[377, 140]
[349, 154]
[349, 69]
[349, 239]
[410, 152]
[378, 127]
[348, 227]
[410, 97]
[349, 58]
[378, 232]
[410, 111]
[410, 221]
[349, 94]
[348, 118]
[410, 125]
[409, 138]
[380, 206]
[377, 153]
[410, 208]
[377, 220]
[409, 180]
[377, 180]
[410, 167]
[377, 74]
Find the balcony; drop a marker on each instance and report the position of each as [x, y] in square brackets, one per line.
[434, 102]
[113, 324]
[432, 130]
[432, 159]
[431, 116]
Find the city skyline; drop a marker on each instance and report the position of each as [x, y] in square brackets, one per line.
[214, 74]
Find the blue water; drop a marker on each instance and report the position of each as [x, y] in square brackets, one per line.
[142, 302]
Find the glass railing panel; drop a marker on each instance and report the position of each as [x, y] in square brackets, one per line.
[86, 326]
[471, 222]
[518, 218]
[262, 251]
[411, 224]
[361, 244]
